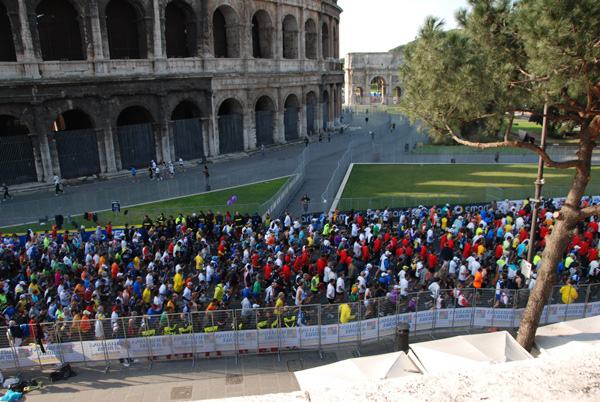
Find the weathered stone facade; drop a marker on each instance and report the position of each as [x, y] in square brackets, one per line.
[97, 86]
[364, 69]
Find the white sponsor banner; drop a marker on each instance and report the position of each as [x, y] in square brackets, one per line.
[387, 325]
[329, 335]
[517, 317]
[203, 343]
[462, 317]
[72, 352]
[268, 339]
[225, 341]
[348, 332]
[556, 313]
[290, 337]
[575, 311]
[247, 340]
[368, 329]
[443, 318]
[503, 317]
[483, 317]
[7, 358]
[424, 320]
[592, 309]
[27, 355]
[309, 336]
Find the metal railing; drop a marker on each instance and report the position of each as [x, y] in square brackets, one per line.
[272, 330]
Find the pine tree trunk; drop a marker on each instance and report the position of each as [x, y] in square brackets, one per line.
[556, 243]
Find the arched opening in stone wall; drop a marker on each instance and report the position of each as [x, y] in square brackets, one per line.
[397, 95]
[7, 44]
[264, 110]
[135, 135]
[226, 33]
[377, 90]
[325, 40]
[310, 39]
[262, 35]
[17, 161]
[290, 117]
[325, 107]
[59, 31]
[186, 128]
[76, 144]
[358, 94]
[311, 102]
[290, 37]
[231, 127]
[180, 30]
[126, 38]
[336, 42]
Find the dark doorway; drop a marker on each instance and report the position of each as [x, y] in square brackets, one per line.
[7, 44]
[76, 144]
[123, 27]
[59, 31]
[176, 33]
[136, 137]
[17, 163]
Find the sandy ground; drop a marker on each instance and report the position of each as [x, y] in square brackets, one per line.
[569, 374]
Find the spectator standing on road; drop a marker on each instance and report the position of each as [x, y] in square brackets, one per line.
[263, 151]
[329, 137]
[6, 194]
[181, 164]
[305, 141]
[305, 202]
[133, 175]
[57, 186]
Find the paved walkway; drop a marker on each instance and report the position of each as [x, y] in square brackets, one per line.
[225, 172]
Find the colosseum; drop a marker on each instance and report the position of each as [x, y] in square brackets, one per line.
[94, 87]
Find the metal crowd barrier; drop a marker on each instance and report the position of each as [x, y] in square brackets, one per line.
[314, 327]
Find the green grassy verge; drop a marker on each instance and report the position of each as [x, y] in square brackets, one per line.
[375, 186]
[249, 198]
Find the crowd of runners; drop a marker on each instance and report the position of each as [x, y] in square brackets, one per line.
[137, 276]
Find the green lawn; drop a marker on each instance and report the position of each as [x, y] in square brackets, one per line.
[375, 186]
[249, 198]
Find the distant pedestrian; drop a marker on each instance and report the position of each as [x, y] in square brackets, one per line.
[171, 170]
[305, 141]
[6, 194]
[263, 151]
[57, 187]
[497, 157]
[305, 203]
[157, 174]
[206, 176]
[372, 135]
[133, 175]
[151, 172]
[181, 164]
[320, 137]
[329, 137]
[366, 120]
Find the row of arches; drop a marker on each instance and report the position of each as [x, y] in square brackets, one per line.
[76, 137]
[63, 35]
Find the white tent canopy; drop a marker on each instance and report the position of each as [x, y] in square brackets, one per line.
[427, 357]
[351, 371]
[552, 338]
[466, 351]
